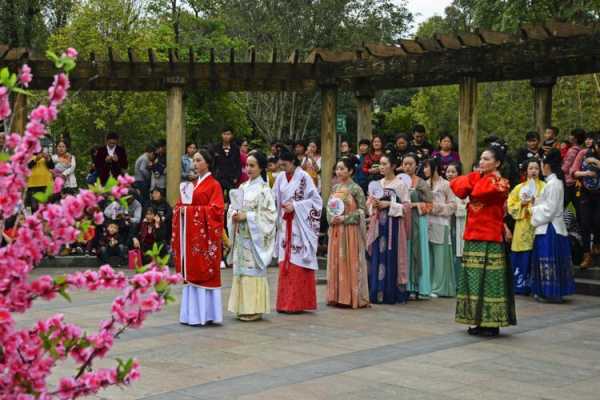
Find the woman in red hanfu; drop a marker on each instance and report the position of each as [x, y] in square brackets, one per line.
[197, 231]
[299, 208]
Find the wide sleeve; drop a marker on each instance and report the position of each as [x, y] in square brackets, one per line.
[261, 224]
[307, 214]
[489, 187]
[515, 208]
[462, 186]
[447, 207]
[328, 213]
[402, 197]
[71, 168]
[425, 196]
[543, 213]
[353, 218]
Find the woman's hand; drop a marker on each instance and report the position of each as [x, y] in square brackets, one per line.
[374, 170]
[337, 220]
[239, 216]
[289, 207]
[383, 205]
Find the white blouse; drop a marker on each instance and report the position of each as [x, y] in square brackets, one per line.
[549, 207]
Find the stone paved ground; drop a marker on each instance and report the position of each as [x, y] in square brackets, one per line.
[412, 351]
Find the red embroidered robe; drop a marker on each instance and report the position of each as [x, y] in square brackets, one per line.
[197, 232]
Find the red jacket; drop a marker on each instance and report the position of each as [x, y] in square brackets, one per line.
[485, 213]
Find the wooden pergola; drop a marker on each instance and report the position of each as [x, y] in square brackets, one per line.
[539, 53]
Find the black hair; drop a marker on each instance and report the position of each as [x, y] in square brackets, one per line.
[112, 136]
[579, 135]
[435, 166]
[348, 163]
[419, 128]
[188, 144]
[272, 160]
[413, 156]
[402, 136]
[150, 148]
[532, 135]
[157, 189]
[287, 155]
[364, 141]
[262, 161]
[456, 165]
[554, 129]
[161, 143]
[300, 143]
[498, 152]
[554, 160]
[445, 135]
[532, 160]
[208, 157]
[152, 209]
[227, 129]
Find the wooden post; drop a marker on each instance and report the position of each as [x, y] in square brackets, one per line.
[364, 116]
[542, 103]
[467, 122]
[20, 116]
[328, 146]
[175, 141]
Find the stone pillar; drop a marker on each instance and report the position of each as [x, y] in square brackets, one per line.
[542, 103]
[467, 122]
[20, 116]
[328, 136]
[175, 141]
[364, 117]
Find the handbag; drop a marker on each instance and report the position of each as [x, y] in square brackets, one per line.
[135, 258]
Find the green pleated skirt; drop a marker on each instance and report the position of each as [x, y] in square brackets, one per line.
[485, 296]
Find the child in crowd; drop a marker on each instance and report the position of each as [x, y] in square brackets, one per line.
[272, 170]
[152, 231]
[112, 244]
[163, 210]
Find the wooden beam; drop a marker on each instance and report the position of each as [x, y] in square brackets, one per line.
[175, 140]
[495, 38]
[470, 39]
[467, 122]
[429, 44]
[364, 118]
[542, 103]
[20, 117]
[534, 32]
[564, 29]
[448, 41]
[411, 46]
[384, 51]
[328, 138]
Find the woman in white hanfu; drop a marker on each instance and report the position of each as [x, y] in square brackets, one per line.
[299, 208]
[252, 230]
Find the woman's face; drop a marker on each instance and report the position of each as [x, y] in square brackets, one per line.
[200, 164]
[191, 150]
[589, 142]
[244, 147]
[254, 170]
[61, 148]
[377, 144]
[446, 144]
[312, 148]
[341, 171]
[287, 166]
[451, 172]
[546, 170]
[427, 170]
[401, 144]
[409, 166]
[487, 162]
[533, 170]
[385, 166]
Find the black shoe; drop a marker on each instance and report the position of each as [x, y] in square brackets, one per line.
[490, 332]
[474, 330]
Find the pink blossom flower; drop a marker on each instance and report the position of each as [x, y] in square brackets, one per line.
[25, 76]
[5, 110]
[71, 52]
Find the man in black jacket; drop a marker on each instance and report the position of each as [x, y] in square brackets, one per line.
[228, 165]
[111, 160]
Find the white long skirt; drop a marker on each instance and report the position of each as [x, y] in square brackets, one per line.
[200, 305]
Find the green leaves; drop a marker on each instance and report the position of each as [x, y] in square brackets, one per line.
[43, 197]
[60, 282]
[9, 80]
[4, 156]
[124, 368]
[63, 62]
